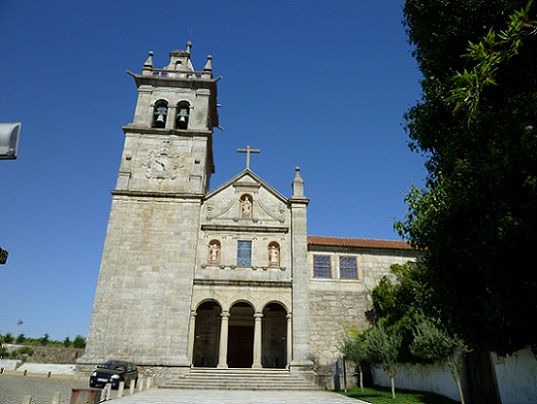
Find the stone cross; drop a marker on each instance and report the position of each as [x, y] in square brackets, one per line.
[248, 151]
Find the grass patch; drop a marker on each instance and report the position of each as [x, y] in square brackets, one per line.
[384, 396]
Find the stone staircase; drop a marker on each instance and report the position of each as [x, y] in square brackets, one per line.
[239, 379]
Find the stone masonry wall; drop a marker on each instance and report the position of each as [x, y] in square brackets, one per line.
[336, 304]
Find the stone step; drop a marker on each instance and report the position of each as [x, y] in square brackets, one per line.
[239, 379]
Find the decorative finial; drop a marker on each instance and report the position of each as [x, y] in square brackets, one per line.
[149, 61]
[188, 47]
[209, 65]
[298, 184]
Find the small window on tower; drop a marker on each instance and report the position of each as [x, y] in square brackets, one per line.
[160, 112]
[183, 113]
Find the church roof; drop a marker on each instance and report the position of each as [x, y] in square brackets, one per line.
[357, 242]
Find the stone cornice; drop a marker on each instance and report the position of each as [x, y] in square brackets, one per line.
[299, 201]
[231, 282]
[244, 229]
[147, 194]
[164, 131]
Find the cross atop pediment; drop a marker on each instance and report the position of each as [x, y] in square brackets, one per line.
[248, 150]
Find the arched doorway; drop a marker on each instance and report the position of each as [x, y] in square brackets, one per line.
[240, 336]
[207, 334]
[274, 342]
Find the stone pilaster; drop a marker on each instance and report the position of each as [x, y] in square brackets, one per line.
[299, 230]
[191, 336]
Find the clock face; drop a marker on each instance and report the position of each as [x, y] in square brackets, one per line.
[161, 166]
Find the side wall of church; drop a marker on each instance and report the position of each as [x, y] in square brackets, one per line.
[142, 304]
[336, 304]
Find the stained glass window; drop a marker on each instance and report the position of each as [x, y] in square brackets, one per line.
[244, 253]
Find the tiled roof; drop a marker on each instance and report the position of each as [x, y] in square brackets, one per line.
[357, 242]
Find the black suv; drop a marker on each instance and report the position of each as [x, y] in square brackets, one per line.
[113, 372]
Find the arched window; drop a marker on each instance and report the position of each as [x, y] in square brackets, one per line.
[274, 254]
[159, 114]
[246, 206]
[214, 253]
[183, 113]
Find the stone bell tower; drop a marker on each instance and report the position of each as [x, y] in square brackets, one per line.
[142, 302]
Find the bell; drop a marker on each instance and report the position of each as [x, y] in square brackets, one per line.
[160, 119]
[182, 118]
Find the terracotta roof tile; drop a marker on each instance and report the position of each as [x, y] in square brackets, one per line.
[357, 242]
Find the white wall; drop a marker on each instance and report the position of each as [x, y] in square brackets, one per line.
[432, 378]
[517, 377]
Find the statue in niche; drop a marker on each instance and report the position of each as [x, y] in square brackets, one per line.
[274, 255]
[246, 207]
[214, 252]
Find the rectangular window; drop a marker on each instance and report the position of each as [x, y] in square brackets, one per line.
[348, 269]
[321, 266]
[244, 253]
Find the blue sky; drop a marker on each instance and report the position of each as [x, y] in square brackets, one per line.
[315, 84]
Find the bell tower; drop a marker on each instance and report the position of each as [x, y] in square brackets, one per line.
[168, 144]
[142, 301]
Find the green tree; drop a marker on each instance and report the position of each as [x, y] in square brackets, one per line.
[79, 342]
[397, 303]
[382, 348]
[45, 339]
[66, 342]
[352, 346]
[8, 338]
[477, 127]
[21, 339]
[432, 343]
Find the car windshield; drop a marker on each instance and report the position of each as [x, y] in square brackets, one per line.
[112, 365]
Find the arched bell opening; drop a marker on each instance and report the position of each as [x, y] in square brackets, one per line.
[240, 336]
[183, 114]
[207, 334]
[160, 112]
[274, 341]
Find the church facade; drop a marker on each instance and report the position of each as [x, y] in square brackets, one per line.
[223, 278]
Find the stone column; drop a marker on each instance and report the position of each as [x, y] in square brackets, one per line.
[257, 340]
[289, 339]
[191, 336]
[222, 357]
[170, 118]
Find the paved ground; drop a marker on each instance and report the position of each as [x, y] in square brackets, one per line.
[165, 396]
[14, 387]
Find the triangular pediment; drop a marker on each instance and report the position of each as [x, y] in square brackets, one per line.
[247, 178]
[226, 204]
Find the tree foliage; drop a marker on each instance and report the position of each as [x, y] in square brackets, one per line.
[382, 348]
[476, 125]
[398, 303]
[432, 343]
[353, 347]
